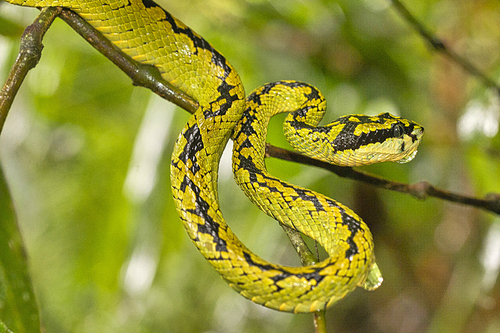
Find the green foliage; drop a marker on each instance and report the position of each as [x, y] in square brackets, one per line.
[18, 308]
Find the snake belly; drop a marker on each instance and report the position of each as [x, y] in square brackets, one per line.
[150, 35]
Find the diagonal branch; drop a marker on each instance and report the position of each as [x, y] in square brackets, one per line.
[142, 75]
[307, 258]
[438, 45]
[29, 54]
[420, 190]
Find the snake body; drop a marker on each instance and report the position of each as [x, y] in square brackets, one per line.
[150, 35]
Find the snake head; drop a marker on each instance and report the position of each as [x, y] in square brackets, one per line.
[402, 145]
[355, 140]
[364, 140]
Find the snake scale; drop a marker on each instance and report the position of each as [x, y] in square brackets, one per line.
[150, 35]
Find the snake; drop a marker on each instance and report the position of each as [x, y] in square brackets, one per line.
[150, 35]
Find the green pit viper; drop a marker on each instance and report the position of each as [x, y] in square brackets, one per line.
[150, 35]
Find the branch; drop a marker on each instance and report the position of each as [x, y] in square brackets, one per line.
[420, 190]
[438, 45]
[307, 258]
[146, 76]
[30, 52]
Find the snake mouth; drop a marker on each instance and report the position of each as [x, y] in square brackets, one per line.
[408, 158]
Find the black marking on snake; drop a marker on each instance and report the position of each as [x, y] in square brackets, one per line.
[314, 94]
[220, 61]
[254, 97]
[149, 4]
[194, 144]
[210, 227]
[198, 42]
[299, 124]
[410, 130]
[224, 94]
[291, 84]
[266, 89]
[308, 196]
[353, 225]
[263, 267]
[248, 165]
[308, 276]
[315, 275]
[346, 139]
[245, 144]
[246, 127]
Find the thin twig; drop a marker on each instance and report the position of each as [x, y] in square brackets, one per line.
[320, 322]
[307, 258]
[30, 52]
[438, 45]
[420, 190]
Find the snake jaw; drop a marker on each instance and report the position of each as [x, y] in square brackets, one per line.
[374, 278]
[408, 158]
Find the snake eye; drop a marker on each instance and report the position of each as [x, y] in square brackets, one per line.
[399, 130]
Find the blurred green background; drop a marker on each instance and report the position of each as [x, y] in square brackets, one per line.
[86, 157]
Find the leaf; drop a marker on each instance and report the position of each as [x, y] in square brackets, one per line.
[18, 309]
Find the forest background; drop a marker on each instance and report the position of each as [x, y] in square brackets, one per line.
[86, 159]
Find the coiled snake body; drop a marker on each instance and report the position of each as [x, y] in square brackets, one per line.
[150, 35]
